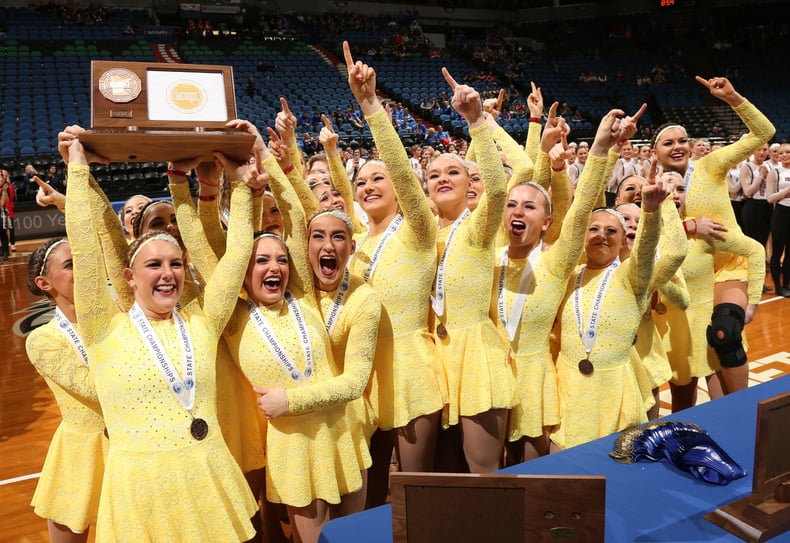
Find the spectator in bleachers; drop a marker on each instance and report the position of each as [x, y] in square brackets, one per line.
[308, 144]
[354, 164]
[444, 136]
[54, 179]
[431, 137]
[27, 189]
[306, 121]
[354, 116]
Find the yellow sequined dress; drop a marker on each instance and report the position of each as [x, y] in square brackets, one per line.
[70, 484]
[536, 380]
[408, 380]
[313, 452]
[610, 399]
[472, 351]
[160, 483]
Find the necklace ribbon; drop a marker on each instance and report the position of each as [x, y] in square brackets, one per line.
[68, 330]
[267, 332]
[510, 322]
[589, 334]
[438, 302]
[184, 389]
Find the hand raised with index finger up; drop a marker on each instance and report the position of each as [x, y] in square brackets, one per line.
[362, 81]
[466, 101]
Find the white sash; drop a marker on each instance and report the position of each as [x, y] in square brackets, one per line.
[65, 326]
[688, 175]
[438, 302]
[589, 334]
[184, 389]
[275, 346]
[374, 257]
[337, 303]
[511, 322]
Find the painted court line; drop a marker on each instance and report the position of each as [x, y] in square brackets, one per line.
[20, 478]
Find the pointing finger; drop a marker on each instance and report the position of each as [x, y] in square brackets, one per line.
[553, 110]
[284, 104]
[327, 122]
[273, 136]
[500, 99]
[347, 55]
[702, 81]
[639, 113]
[447, 77]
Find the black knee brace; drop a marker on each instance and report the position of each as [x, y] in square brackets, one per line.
[727, 322]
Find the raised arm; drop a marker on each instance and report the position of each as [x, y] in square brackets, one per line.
[517, 157]
[210, 186]
[223, 287]
[535, 105]
[285, 124]
[760, 128]
[296, 221]
[561, 191]
[337, 172]
[408, 189]
[643, 255]
[193, 231]
[552, 134]
[92, 300]
[486, 218]
[672, 245]
[564, 255]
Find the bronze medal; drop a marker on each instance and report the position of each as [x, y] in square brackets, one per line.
[441, 331]
[585, 367]
[661, 308]
[120, 85]
[198, 429]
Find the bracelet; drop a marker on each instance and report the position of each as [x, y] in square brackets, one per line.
[259, 191]
[621, 142]
[686, 228]
[558, 169]
[535, 119]
[202, 182]
[289, 169]
[177, 172]
[209, 198]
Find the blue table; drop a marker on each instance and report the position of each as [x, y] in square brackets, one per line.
[646, 501]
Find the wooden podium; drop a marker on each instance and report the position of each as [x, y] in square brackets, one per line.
[154, 112]
[766, 512]
[468, 508]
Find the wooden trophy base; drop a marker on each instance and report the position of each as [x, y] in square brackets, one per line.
[754, 518]
[167, 145]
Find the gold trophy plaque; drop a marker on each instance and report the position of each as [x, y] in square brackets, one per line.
[155, 112]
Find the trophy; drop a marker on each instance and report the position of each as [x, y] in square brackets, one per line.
[157, 112]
